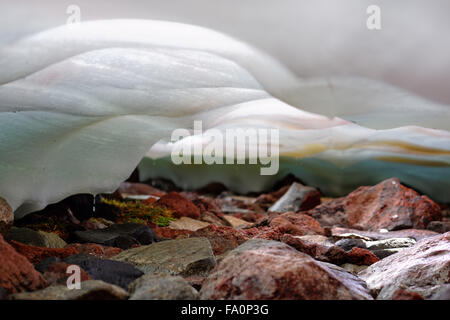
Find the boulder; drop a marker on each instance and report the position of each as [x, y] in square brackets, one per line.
[186, 257]
[297, 198]
[115, 272]
[298, 224]
[122, 236]
[17, 274]
[422, 268]
[179, 205]
[35, 238]
[387, 205]
[157, 287]
[264, 269]
[90, 290]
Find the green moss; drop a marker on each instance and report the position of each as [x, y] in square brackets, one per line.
[141, 212]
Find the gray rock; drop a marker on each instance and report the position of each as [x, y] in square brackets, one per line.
[90, 290]
[118, 235]
[114, 272]
[298, 197]
[157, 287]
[265, 269]
[186, 257]
[35, 238]
[348, 244]
[392, 243]
[6, 216]
[422, 268]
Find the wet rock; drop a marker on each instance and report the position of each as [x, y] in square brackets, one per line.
[296, 224]
[157, 287]
[95, 249]
[185, 223]
[37, 254]
[6, 216]
[261, 269]
[439, 226]
[388, 205]
[186, 257]
[402, 294]
[121, 236]
[90, 290]
[110, 271]
[180, 206]
[35, 238]
[56, 273]
[422, 268]
[297, 198]
[415, 234]
[17, 274]
[236, 222]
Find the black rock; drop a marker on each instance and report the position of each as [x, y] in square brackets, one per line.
[348, 244]
[439, 226]
[3, 294]
[114, 272]
[119, 235]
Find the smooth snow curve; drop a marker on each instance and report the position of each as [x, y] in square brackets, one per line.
[80, 108]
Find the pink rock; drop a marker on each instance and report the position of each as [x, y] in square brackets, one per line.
[261, 269]
[387, 205]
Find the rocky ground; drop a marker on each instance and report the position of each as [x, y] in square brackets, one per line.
[152, 241]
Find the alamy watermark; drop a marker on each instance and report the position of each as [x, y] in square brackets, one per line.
[231, 146]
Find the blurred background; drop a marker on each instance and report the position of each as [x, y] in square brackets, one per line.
[311, 37]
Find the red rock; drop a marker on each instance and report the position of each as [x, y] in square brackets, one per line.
[6, 217]
[37, 254]
[297, 224]
[169, 233]
[361, 257]
[17, 274]
[57, 274]
[95, 249]
[180, 206]
[266, 200]
[271, 270]
[387, 205]
[224, 239]
[402, 294]
[139, 189]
